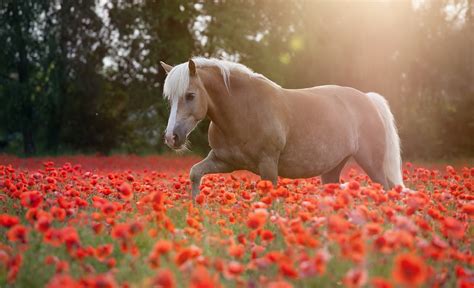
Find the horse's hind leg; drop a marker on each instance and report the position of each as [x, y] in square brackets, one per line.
[371, 161]
[334, 175]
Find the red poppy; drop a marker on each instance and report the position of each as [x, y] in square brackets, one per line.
[355, 277]
[410, 270]
[265, 186]
[99, 281]
[257, 219]
[58, 213]
[43, 223]
[235, 268]
[183, 256]
[267, 235]
[61, 281]
[201, 278]
[468, 209]
[17, 233]
[162, 247]
[164, 279]
[453, 228]
[279, 284]
[31, 199]
[288, 270]
[8, 220]
[135, 228]
[103, 251]
[378, 282]
[125, 190]
[337, 224]
[70, 238]
[354, 185]
[237, 251]
[120, 231]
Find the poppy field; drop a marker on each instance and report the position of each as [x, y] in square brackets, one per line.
[128, 221]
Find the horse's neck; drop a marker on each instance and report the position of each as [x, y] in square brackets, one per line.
[226, 105]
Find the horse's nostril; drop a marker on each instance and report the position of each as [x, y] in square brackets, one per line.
[175, 137]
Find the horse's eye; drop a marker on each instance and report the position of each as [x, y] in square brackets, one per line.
[189, 96]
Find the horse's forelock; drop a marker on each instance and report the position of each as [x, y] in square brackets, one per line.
[176, 82]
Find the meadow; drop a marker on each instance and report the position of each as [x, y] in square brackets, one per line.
[128, 221]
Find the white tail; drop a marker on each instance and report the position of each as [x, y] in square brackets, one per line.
[392, 164]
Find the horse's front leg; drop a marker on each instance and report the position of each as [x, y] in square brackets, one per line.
[210, 164]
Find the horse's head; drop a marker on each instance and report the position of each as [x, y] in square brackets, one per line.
[188, 99]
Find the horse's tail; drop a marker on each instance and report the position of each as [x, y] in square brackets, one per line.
[392, 164]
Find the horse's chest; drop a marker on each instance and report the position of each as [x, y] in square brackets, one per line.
[241, 150]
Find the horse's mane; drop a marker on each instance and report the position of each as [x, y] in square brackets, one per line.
[177, 80]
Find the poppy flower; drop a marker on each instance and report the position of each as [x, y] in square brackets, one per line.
[162, 247]
[43, 223]
[236, 251]
[31, 199]
[320, 260]
[58, 213]
[103, 251]
[200, 278]
[61, 281]
[354, 185]
[235, 268]
[410, 270]
[355, 277]
[337, 224]
[264, 186]
[99, 281]
[257, 219]
[17, 233]
[13, 266]
[453, 228]
[267, 235]
[70, 238]
[184, 255]
[8, 220]
[378, 282]
[468, 209]
[125, 190]
[164, 279]
[288, 270]
[120, 231]
[135, 228]
[279, 284]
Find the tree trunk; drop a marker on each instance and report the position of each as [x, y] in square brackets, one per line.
[23, 78]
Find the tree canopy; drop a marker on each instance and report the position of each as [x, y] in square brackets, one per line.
[84, 76]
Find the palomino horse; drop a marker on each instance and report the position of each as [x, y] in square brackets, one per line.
[256, 125]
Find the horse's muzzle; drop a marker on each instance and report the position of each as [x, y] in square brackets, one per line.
[175, 140]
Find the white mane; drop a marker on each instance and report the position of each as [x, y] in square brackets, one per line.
[177, 80]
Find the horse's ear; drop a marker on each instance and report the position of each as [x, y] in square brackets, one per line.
[166, 67]
[192, 68]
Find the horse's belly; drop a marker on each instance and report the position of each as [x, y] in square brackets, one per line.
[304, 165]
[314, 156]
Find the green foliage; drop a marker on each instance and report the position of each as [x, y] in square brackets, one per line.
[82, 76]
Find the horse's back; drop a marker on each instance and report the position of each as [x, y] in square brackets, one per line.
[332, 100]
[326, 122]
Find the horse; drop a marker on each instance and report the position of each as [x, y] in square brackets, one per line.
[257, 125]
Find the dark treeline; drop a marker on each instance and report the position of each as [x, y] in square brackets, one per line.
[84, 75]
